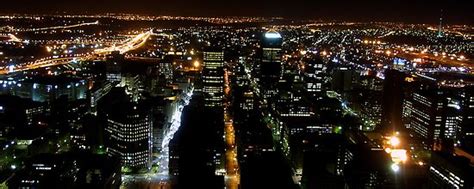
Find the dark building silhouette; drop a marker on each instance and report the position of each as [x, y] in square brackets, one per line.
[392, 100]
[197, 149]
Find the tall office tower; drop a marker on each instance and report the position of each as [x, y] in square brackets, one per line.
[113, 66]
[427, 116]
[343, 79]
[314, 76]
[213, 77]
[392, 100]
[448, 171]
[128, 129]
[467, 127]
[270, 67]
[436, 116]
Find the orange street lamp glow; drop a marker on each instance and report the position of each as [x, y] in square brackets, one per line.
[394, 141]
[196, 64]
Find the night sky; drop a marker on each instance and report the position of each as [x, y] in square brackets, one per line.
[417, 11]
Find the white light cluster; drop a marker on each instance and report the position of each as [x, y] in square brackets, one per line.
[175, 124]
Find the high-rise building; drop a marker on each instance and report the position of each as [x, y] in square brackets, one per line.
[448, 171]
[114, 66]
[426, 117]
[269, 68]
[213, 77]
[392, 100]
[128, 129]
[368, 165]
[343, 79]
[197, 149]
[323, 161]
[439, 112]
[314, 76]
[271, 57]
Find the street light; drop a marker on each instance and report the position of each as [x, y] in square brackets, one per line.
[394, 141]
[196, 64]
[395, 167]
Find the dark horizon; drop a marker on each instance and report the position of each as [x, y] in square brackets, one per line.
[417, 11]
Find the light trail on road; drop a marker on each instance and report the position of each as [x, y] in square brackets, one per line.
[64, 27]
[232, 178]
[129, 45]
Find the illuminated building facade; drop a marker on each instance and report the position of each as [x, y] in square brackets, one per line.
[270, 67]
[434, 115]
[248, 101]
[213, 77]
[96, 93]
[467, 126]
[42, 89]
[314, 76]
[447, 171]
[113, 65]
[128, 129]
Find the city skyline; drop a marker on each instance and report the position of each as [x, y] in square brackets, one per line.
[243, 95]
[418, 11]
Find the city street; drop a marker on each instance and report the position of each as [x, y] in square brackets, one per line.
[232, 163]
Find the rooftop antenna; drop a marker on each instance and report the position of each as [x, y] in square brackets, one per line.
[440, 27]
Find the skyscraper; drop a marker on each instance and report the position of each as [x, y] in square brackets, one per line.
[270, 67]
[213, 77]
[271, 57]
[448, 171]
[128, 129]
[114, 66]
[392, 97]
[314, 76]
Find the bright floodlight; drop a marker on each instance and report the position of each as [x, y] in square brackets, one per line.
[399, 155]
[394, 141]
[395, 167]
[272, 35]
[11, 68]
[196, 64]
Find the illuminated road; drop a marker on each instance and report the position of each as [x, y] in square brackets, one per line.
[41, 64]
[387, 34]
[439, 59]
[129, 45]
[12, 37]
[63, 27]
[161, 179]
[232, 177]
[174, 127]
